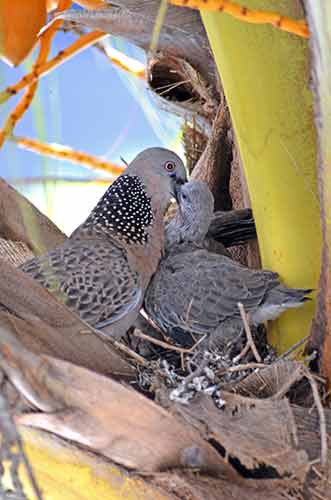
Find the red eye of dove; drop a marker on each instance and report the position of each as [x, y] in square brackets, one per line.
[169, 166]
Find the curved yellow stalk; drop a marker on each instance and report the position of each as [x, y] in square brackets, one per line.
[266, 76]
[63, 471]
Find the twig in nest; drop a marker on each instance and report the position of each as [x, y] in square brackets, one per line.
[121, 347]
[315, 494]
[242, 353]
[293, 348]
[239, 368]
[196, 372]
[186, 322]
[321, 414]
[250, 341]
[125, 349]
[319, 473]
[293, 379]
[165, 344]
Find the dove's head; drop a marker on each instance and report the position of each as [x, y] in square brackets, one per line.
[194, 215]
[139, 197]
[161, 171]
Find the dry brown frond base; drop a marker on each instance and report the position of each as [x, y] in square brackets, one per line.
[198, 423]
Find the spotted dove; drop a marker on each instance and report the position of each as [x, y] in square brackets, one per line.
[197, 291]
[101, 272]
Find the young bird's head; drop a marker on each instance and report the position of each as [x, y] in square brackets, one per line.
[194, 215]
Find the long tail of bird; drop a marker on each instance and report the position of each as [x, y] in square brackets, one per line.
[279, 299]
[289, 297]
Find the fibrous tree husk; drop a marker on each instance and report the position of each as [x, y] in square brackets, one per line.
[318, 16]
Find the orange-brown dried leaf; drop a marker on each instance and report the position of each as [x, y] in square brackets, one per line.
[298, 27]
[20, 23]
[88, 4]
[91, 4]
[69, 154]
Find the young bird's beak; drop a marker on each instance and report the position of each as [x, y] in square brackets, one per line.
[177, 182]
[177, 189]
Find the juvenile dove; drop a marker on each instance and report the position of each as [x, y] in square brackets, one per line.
[230, 228]
[197, 291]
[101, 272]
[227, 229]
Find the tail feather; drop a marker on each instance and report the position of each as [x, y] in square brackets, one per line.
[278, 299]
[283, 295]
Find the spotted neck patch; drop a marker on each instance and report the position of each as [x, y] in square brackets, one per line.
[124, 210]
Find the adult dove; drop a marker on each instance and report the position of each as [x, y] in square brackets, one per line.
[197, 291]
[102, 271]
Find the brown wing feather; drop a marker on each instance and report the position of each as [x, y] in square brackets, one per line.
[92, 278]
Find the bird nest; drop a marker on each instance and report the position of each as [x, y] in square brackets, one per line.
[225, 422]
[187, 366]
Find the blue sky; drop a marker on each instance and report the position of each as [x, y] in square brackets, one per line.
[90, 105]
